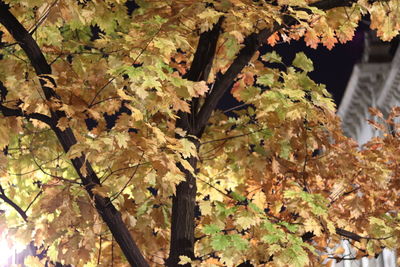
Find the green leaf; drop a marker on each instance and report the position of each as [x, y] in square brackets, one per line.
[238, 242]
[271, 239]
[237, 196]
[272, 57]
[266, 79]
[249, 93]
[297, 256]
[291, 227]
[211, 229]
[220, 242]
[285, 150]
[301, 61]
[225, 212]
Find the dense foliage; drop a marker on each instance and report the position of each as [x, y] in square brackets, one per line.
[114, 150]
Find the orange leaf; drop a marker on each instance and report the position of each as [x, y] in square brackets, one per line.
[273, 39]
[328, 39]
[339, 250]
[311, 38]
[375, 112]
[237, 88]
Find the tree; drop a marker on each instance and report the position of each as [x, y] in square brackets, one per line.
[111, 135]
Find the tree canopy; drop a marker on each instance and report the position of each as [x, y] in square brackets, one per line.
[115, 153]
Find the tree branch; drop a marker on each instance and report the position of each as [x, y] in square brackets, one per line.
[200, 70]
[348, 234]
[251, 44]
[13, 204]
[183, 203]
[9, 112]
[105, 208]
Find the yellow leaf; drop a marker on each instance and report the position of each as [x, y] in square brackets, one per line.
[186, 165]
[259, 199]
[63, 123]
[32, 261]
[136, 114]
[188, 148]
[184, 260]
[310, 225]
[205, 207]
[245, 222]
[122, 139]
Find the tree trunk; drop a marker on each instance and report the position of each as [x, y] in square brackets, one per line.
[184, 201]
[182, 223]
[104, 207]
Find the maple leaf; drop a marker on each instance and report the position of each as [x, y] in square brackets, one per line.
[328, 39]
[205, 208]
[245, 221]
[301, 61]
[122, 139]
[184, 260]
[311, 38]
[181, 105]
[34, 261]
[145, 83]
[273, 39]
[266, 79]
[259, 199]
[310, 225]
[211, 229]
[272, 57]
[220, 242]
[237, 88]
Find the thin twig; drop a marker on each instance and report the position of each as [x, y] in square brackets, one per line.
[235, 107]
[98, 257]
[52, 175]
[217, 189]
[122, 169]
[214, 148]
[134, 62]
[232, 137]
[130, 178]
[305, 160]
[101, 101]
[34, 199]
[13, 204]
[49, 174]
[34, 28]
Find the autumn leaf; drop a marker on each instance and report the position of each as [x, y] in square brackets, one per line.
[220, 242]
[272, 57]
[184, 260]
[211, 229]
[33, 261]
[311, 38]
[273, 39]
[114, 120]
[302, 62]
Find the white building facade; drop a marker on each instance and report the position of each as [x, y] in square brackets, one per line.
[375, 82]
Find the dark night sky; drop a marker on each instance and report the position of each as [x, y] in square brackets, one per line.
[331, 67]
